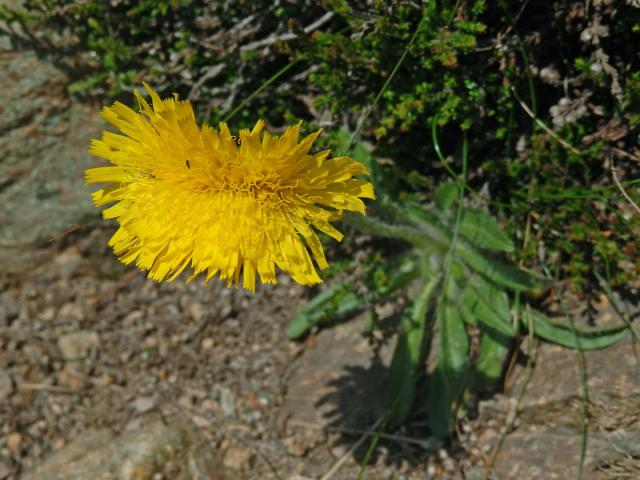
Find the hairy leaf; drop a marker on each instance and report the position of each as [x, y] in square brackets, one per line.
[489, 305]
[481, 229]
[339, 301]
[445, 195]
[563, 333]
[409, 354]
[497, 271]
[493, 349]
[335, 302]
[447, 382]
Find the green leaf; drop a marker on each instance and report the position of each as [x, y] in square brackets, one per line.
[433, 223]
[109, 60]
[445, 195]
[338, 301]
[86, 83]
[489, 305]
[93, 23]
[562, 333]
[400, 273]
[334, 303]
[481, 229]
[492, 352]
[408, 355]
[448, 380]
[497, 271]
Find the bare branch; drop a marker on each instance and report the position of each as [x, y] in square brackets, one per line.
[273, 38]
[614, 175]
[212, 72]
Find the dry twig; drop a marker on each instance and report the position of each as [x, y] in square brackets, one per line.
[273, 38]
[45, 387]
[543, 125]
[336, 466]
[428, 444]
[616, 180]
[212, 72]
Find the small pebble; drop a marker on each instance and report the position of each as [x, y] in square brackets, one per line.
[14, 442]
[237, 457]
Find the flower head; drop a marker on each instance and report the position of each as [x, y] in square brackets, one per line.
[195, 196]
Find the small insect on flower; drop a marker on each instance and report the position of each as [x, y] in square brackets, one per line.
[194, 196]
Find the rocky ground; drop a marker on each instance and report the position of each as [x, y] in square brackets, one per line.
[107, 375]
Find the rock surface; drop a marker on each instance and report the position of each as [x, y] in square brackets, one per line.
[238, 457]
[157, 451]
[547, 440]
[337, 381]
[43, 146]
[77, 345]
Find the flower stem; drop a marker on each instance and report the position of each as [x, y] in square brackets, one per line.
[259, 90]
[378, 228]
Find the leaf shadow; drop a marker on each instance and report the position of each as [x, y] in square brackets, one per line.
[356, 400]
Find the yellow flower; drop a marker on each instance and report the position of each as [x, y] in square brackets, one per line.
[188, 195]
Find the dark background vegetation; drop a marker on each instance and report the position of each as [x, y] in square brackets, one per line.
[475, 66]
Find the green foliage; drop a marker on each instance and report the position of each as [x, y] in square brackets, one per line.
[340, 301]
[462, 71]
[465, 288]
[409, 353]
[480, 228]
[564, 334]
[493, 348]
[482, 302]
[448, 381]
[480, 295]
[433, 80]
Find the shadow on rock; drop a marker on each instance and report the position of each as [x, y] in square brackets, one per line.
[339, 386]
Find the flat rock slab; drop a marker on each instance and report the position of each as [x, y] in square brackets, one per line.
[556, 377]
[555, 454]
[158, 450]
[338, 381]
[547, 440]
[542, 455]
[553, 395]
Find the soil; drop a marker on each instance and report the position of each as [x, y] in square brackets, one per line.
[93, 354]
